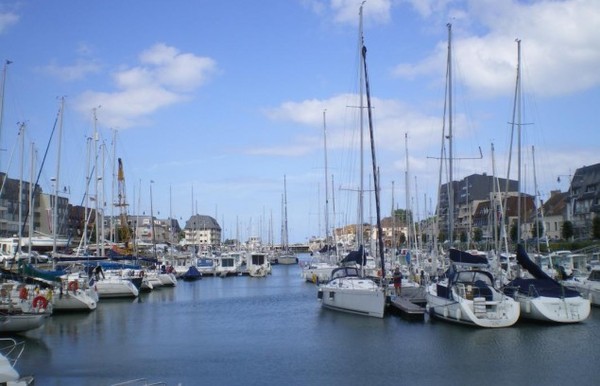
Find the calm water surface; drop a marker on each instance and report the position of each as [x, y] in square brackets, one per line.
[273, 331]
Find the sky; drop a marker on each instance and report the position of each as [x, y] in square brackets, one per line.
[212, 104]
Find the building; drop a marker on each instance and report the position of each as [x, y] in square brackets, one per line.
[467, 195]
[41, 213]
[555, 213]
[584, 199]
[202, 231]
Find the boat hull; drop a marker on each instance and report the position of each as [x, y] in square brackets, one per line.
[502, 311]
[14, 323]
[356, 296]
[78, 301]
[555, 310]
[588, 289]
[109, 288]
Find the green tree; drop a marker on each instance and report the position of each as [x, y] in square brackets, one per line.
[596, 227]
[567, 230]
[513, 232]
[477, 235]
[538, 230]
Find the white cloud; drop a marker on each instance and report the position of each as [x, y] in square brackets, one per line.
[392, 119]
[164, 77]
[559, 38]
[77, 71]
[346, 11]
[7, 20]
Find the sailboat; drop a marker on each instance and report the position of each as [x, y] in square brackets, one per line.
[349, 290]
[286, 256]
[466, 293]
[541, 298]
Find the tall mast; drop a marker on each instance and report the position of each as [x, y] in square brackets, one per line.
[407, 192]
[6, 63]
[361, 114]
[326, 181]
[22, 134]
[57, 179]
[31, 199]
[450, 155]
[518, 105]
[375, 168]
[96, 207]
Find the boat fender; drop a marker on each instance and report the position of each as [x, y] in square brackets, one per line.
[458, 314]
[40, 302]
[445, 312]
[73, 286]
[23, 293]
[528, 307]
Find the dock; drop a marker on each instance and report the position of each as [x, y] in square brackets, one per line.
[410, 304]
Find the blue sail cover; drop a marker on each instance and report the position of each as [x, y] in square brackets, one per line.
[357, 257]
[541, 284]
[531, 267]
[462, 257]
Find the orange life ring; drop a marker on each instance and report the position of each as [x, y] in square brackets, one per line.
[40, 301]
[73, 286]
[23, 293]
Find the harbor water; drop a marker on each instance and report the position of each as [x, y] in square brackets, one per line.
[273, 331]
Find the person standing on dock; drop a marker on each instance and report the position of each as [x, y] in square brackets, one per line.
[397, 281]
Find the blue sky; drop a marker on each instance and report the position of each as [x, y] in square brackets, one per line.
[215, 101]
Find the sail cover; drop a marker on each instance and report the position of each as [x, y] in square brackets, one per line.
[357, 257]
[530, 266]
[462, 257]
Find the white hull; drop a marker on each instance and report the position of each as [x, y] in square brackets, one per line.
[21, 322]
[354, 295]
[167, 279]
[500, 311]
[114, 287]
[287, 260]
[318, 272]
[588, 291]
[556, 310]
[589, 288]
[257, 271]
[78, 301]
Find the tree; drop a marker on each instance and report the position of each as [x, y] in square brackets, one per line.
[513, 232]
[567, 230]
[596, 227]
[537, 230]
[477, 235]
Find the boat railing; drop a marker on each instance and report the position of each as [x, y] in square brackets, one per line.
[139, 382]
[11, 349]
[533, 292]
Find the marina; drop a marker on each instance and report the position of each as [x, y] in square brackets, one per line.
[272, 330]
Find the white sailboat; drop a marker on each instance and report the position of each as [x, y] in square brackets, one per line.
[349, 290]
[466, 294]
[540, 297]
